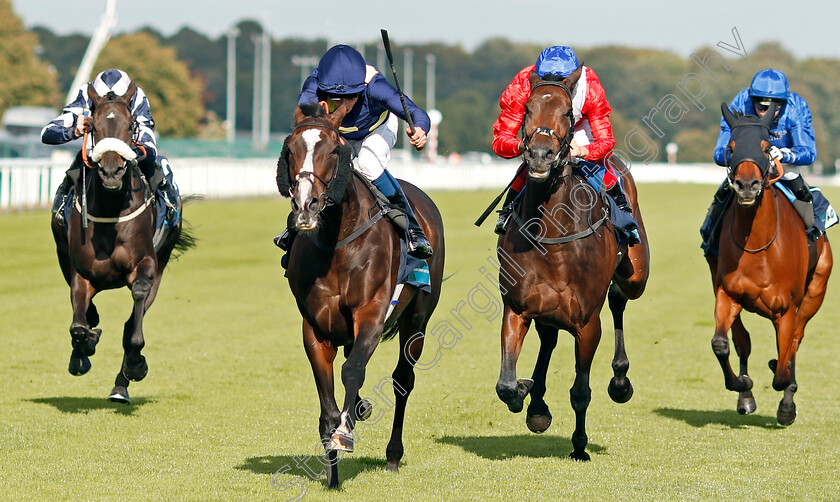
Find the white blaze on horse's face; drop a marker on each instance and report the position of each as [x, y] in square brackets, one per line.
[307, 221]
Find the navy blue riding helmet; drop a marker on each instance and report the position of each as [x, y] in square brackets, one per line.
[342, 71]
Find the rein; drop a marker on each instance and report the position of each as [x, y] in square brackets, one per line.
[762, 248]
[593, 227]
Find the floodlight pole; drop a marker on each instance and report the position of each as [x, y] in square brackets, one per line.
[265, 122]
[231, 84]
[255, 112]
[97, 42]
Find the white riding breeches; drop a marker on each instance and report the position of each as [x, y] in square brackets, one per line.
[373, 152]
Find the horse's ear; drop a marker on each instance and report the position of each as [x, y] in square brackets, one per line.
[129, 93]
[533, 78]
[727, 114]
[92, 94]
[342, 110]
[770, 116]
[299, 116]
[572, 80]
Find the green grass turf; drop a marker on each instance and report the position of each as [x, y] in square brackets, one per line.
[230, 399]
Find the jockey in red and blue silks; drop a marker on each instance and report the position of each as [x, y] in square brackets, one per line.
[593, 138]
[792, 142]
[73, 124]
[370, 128]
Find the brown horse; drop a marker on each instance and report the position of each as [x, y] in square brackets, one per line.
[560, 277]
[765, 265]
[108, 242]
[343, 272]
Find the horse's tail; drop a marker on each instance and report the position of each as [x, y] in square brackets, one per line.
[390, 331]
[186, 239]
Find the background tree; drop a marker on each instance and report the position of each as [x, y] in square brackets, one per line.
[174, 95]
[24, 80]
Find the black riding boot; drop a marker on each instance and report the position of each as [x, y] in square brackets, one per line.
[170, 198]
[505, 212]
[61, 199]
[709, 230]
[418, 245]
[284, 241]
[804, 204]
[618, 196]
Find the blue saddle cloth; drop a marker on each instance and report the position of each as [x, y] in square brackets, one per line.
[413, 271]
[626, 226]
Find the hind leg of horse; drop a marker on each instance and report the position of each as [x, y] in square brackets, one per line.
[510, 390]
[83, 337]
[726, 311]
[321, 354]
[412, 329]
[586, 342]
[743, 347]
[367, 324]
[539, 417]
[620, 389]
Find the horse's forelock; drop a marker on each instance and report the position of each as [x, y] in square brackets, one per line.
[313, 110]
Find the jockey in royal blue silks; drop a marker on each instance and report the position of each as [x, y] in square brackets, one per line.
[73, 124]
[370, 128]
[792, 142]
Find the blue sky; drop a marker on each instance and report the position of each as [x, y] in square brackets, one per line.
[806, 28]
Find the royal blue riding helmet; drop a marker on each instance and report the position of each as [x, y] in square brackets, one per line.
[558, 60]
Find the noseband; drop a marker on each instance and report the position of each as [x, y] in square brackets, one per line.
[565, 142]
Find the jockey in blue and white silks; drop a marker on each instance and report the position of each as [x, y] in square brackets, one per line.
[73, 124]
[792, 142]
[370, 128]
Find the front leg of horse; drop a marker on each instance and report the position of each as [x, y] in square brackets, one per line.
[510, 390]
[539, 416]
[83, 331]
[586, 342]
[134, 363]
[620, 389]
[743, 346]
[786, 414]
[726, 310]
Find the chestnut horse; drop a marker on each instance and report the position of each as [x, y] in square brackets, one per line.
[343, 271]
[111, 244]
[560, 277]
[765, 265]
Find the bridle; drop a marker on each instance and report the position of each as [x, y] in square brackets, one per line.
[561, 158]
[325, 198]
[133, 128]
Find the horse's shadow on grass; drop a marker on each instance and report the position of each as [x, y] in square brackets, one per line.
[88, 404]
[309, 467]
[531, 445]
[728, 418]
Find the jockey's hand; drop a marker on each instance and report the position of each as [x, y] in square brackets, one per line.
[83, 125]
[418, 139]
[578, 151]
[775, 153]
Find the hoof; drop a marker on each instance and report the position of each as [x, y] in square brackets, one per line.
[136, 372]
[746, 403]
[538, 423]
[79, 363]
[786, 414]
[364, 409]
[581, 455]
[514, 397]
[772, 363]
[119, 395]
[392, 466]
[621, 390]
[340, 442]
[85, 339]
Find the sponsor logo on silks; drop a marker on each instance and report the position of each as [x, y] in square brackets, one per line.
[830, 217]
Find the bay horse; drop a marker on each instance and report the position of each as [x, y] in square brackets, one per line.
[108, 241]
[560, 278]
[765, 265]
[342, 272]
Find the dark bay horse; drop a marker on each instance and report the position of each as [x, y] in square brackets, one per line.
[111, 244]
[343, 272]
[765, 265]
[558, 262]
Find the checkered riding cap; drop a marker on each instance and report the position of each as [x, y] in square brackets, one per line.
[111, 80]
